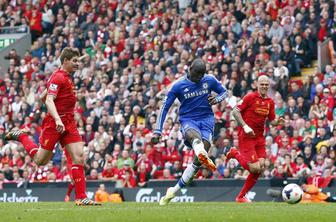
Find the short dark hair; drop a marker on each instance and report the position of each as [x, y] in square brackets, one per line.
[68, 53]
[198, 66]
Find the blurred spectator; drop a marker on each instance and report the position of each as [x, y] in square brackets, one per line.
[142, 175]
[101, 195]
[166, 175]
[127, 176]
[110, 171]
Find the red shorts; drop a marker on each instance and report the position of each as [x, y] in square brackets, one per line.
[49, 135]
[252, 148]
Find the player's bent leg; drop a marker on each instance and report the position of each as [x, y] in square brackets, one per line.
[206, 159]
[195, 139]
[253, 152]
[262, 165]
[249, 183]
[254, 167]
[232, 154]
[203, 157]
[76, 152]
[21, 135]
[15, 133]
[187, 177]
[42, 157]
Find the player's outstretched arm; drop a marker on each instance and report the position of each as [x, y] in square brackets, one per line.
[221, 91]
[237, 115]
[162, 116]
[53, 112]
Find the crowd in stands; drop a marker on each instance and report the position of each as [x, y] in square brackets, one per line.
[136, 49]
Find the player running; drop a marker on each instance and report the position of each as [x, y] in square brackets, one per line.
[196, 118]
[59, 125]
[251, 114]
[71, 184]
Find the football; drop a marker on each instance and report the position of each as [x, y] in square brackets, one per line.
[292, 193]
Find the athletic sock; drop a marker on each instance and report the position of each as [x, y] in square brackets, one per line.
[249, 183]
[79, 180]
[28, 145]
[70, 188]
[198, 146]
[187, 176]
[242, 161]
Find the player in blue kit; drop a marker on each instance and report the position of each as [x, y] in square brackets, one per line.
[196, 118]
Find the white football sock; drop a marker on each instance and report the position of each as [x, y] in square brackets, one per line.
[198, 146]
[187, 176]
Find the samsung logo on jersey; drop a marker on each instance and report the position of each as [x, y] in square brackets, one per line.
[197, 93]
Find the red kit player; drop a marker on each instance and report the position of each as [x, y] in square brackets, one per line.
[59, 124]
[251, 114]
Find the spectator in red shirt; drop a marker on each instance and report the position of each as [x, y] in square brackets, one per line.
[127, 176]
[110, 171]
[301, 167]
[279, 172]
[93, 175]
[289, 166]
[35, 23]
[142, 175]
[166, 175]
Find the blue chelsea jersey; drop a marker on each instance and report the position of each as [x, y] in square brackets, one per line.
[193, 98]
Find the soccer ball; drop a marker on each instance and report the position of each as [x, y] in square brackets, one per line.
[292, 193]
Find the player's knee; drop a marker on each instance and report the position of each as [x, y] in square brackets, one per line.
[255, 169]
[78, 158]
[192, 135]
[39, 161]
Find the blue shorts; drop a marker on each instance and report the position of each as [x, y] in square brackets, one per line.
[204, 126]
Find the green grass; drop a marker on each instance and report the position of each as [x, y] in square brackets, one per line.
[147, 212]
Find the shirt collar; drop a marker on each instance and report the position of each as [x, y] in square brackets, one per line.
[259, 95]
[63, 71]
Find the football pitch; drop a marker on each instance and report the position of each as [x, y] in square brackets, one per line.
[147, 212]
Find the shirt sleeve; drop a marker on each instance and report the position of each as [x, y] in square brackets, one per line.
[170, 98]
[54, 85]
[271, 115]
[245, 103]
[219, 89]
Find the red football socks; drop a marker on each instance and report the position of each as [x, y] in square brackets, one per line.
[79, 179]
[70, 188]
[249, 183]
[28, 145]
[242, 161]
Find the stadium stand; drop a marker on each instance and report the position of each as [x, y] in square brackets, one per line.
[136, 49]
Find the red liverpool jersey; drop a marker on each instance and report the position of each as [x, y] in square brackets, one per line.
[61, 86]
[255, 110]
